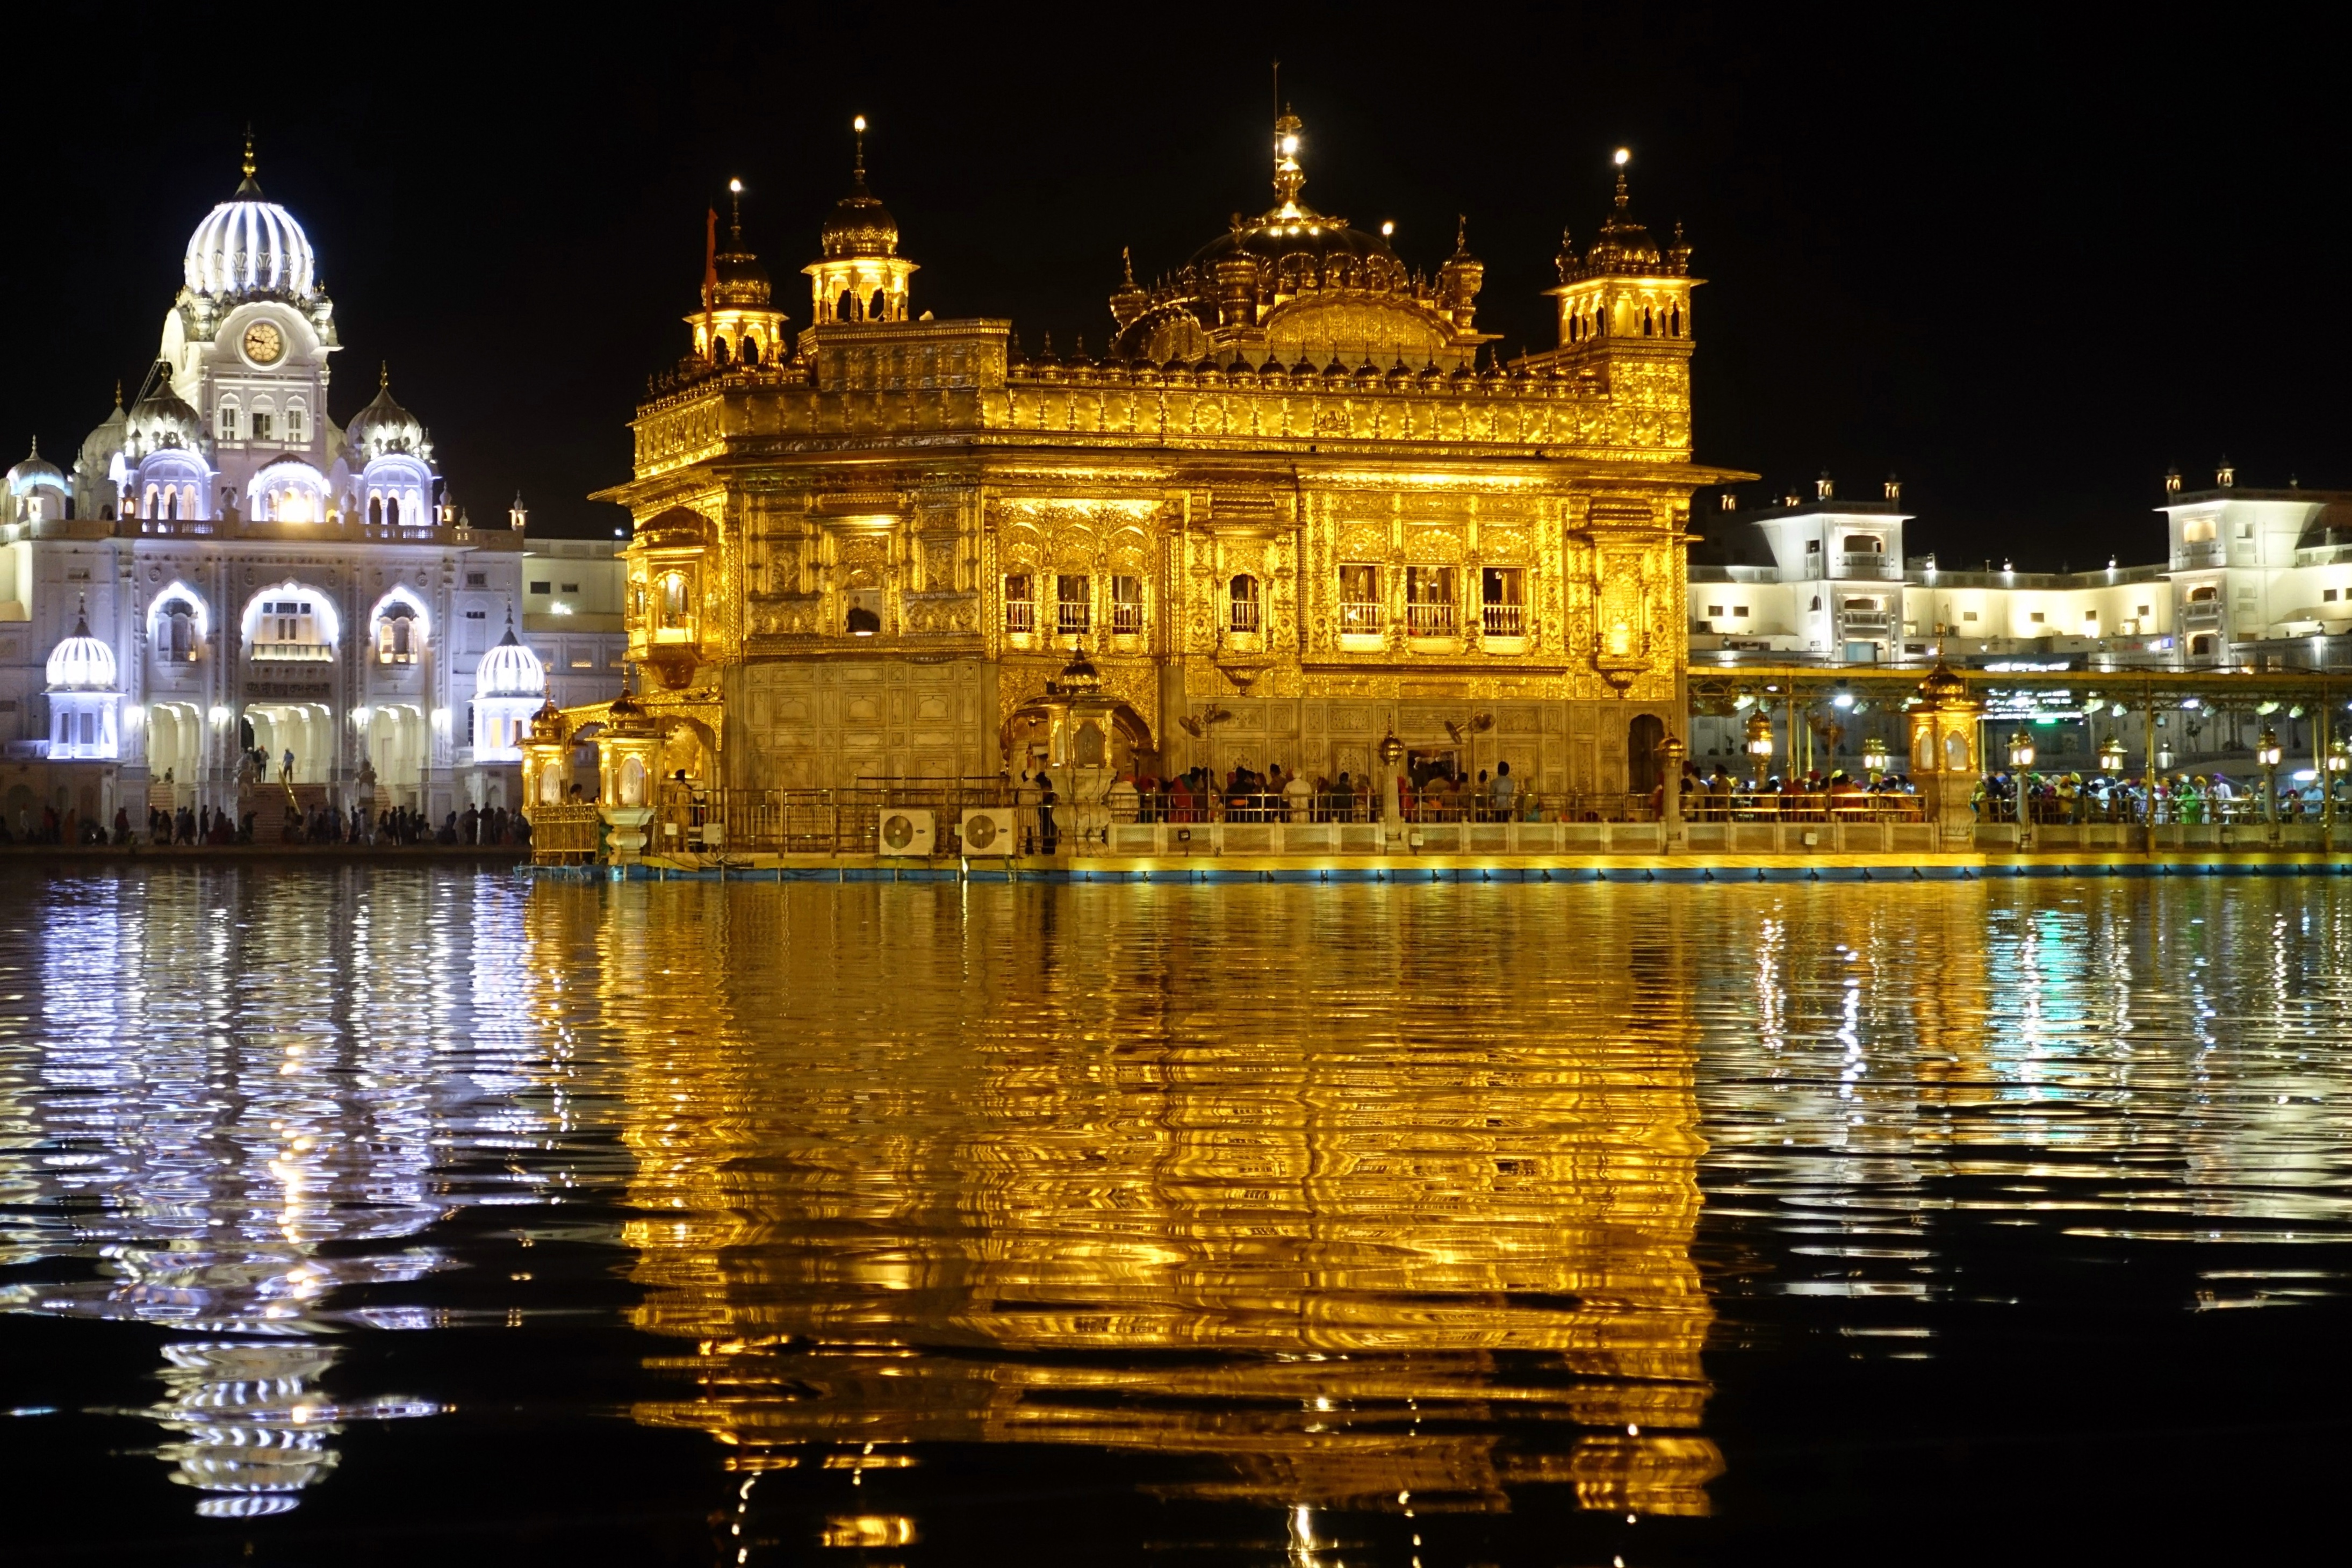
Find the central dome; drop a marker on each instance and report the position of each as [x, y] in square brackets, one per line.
[247, 246]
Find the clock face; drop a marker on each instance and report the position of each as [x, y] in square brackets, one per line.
[264, 343]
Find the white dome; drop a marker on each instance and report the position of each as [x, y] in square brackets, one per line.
[35, 472]
[247, 246]
[81, 662]
[384, 426]
[509, 669]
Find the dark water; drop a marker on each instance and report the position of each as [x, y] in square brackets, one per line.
[385, 1217]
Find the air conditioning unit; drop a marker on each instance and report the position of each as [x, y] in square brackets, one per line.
[991, 830]
[907, 830]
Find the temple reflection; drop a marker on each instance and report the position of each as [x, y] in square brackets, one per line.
[228, 1143]
[1064, 1182]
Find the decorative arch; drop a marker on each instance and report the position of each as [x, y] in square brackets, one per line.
[401, 593]
[322, 604]
[288, 490]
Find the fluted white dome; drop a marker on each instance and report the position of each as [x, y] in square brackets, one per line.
[81, 662]
[162, 419]
[248, 246]
[35, 472]
[510, 669]
[384, 426]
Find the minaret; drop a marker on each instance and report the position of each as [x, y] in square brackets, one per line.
[737, 324]
[1625, 310]
[862, 276]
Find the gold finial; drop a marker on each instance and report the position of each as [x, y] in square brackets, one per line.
[1461, 233]
[248, 150]
[384, 376]
[1288, 177]
[1127, 265]
[735, 224]
[1624, 156]
[118, 391]
[858, 125]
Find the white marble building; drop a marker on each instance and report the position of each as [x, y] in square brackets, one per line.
[255, 574]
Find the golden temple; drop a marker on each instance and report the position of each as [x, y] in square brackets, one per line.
[1300, 504]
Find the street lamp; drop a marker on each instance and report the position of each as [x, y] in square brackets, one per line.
[2111, 756]
[1760, 743]
[2021, 757]
[1874, 755]
[2267, 752]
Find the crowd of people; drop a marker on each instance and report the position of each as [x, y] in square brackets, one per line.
[193, 826]
[2186, 798]
[1427, 793]
[1715, 796]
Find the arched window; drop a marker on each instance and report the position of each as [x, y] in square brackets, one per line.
[863, 622]
[877, 310]
[391, 512]
[1242, 613]
[719, 354]
[674, 616]
[1817, 604]
[1575, 328]
[2204, 596]
[296, 417]
[397, 638]
[175, 633]
[1601, 320]
[227, 415]
[1644, 735]
[751, 349]
[149, 508]
[172, 503]
[1647, 323]
[845, 308]
[188, 501]
[1674, 319]
[2204, 643]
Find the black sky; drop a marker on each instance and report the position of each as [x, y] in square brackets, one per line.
[2025, 260]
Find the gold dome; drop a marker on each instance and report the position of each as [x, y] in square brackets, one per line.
[1942, 687]
[860, 224]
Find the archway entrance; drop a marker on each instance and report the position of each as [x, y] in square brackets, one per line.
[1122, 743]
[305, 729]
[399, 745]
[175, 746]
[1644, 736]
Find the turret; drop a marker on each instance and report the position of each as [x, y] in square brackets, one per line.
[862, 276]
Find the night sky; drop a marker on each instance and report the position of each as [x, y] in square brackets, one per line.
[2026, 264]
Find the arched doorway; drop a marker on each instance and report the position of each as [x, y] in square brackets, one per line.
[1123, 743]
[1644, 766]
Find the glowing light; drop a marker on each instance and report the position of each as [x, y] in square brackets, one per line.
[858, 124]
[220, 715]
[360, 715]
[1289, 145]
[1386, 229]
[1624, 156]
[736, 186]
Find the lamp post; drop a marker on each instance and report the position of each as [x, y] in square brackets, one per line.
[1760, 743]
[1874, 760]
[2021, 757]
[2267, 752]
[2339, 761]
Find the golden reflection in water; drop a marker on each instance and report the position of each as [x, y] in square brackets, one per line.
[1334, 1220]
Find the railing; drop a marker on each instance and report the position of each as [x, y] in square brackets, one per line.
[1358, 619]
[564, 835]
[293, 652]
[1126, 618]
[1506, 620]
[1243, 616]
[1425, 620]
[1701, 805]
[1070, 617]
[1868, 563]
[1187, 805]
[692, 820]
[1020, 615]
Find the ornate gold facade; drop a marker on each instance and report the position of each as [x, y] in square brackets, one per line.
[1301, 503]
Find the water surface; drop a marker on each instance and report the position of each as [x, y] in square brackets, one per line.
[357, 1214]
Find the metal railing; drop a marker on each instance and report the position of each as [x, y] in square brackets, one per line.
[1358, 619]
[1770, 805]
[1429, 620]
[1506, 620]
[564, 835]
[1020, 615]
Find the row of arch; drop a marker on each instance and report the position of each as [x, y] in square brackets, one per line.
[1655, 323]
[287, 616]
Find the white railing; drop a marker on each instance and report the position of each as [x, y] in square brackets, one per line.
[1020, 615]
[1360, 619]
[1429, 620]
[1506, 620]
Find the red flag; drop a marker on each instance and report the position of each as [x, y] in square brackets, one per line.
[709, 259]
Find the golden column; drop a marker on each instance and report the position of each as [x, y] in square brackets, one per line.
[544, 756]
[1945, 766]
[628, 750]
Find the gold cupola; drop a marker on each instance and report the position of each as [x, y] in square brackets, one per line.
[862, 276]
[739, 323]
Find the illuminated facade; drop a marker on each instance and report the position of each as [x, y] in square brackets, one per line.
[2258, 577]
[1302, 502]
[259, 575]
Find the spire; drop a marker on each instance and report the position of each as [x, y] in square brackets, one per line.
[735, 223]
[858, 173]
[118, 395]
[82, 611]
[1288, 177]
[1624, 156]
[384, 376]
[1126, 268]
[250, 187]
